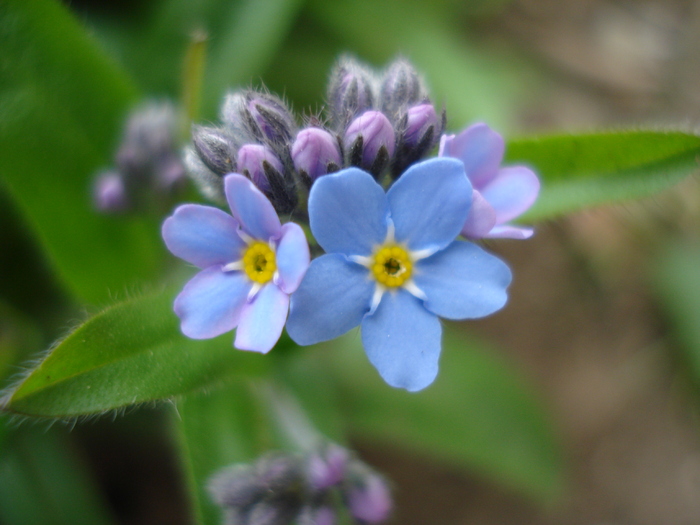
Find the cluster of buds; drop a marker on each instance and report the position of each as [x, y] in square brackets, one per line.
[255, 141]
[147, 162]
[380, 123]
[317, 489]
[386, 122]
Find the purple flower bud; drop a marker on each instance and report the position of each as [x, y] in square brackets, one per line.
[376, 131]
[150, 133]
[258, 116]
[254, 159]
[401, 87]
[109, 193]
[216, 148]
[170, 173]
[313, 150]
[369, 498]
[351, 91]
[327, 468]
[419, 119]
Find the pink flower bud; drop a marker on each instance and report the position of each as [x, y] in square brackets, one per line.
[420, 118]
[251, 161]
[376, 131]
[313, 150]
[110, 193]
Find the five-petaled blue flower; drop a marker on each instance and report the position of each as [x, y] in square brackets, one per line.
[500, 194]
[250, 264]
[394, 265]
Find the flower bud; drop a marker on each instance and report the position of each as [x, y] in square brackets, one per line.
[316, 152]
[208, 183]
[401, 87]
[170, 173]
[269, 492]
[254, 160]
[149, 135]
[109, 193]
[351, 91]
[216, 148]
[327, 468]
[419, 120]
[374, 131]
[259, 116]
[369, 498]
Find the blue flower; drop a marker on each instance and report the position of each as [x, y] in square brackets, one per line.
[250, 264]
[393, 265]
[500, 194]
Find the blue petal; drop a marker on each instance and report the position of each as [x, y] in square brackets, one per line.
[333, 297]
[463, 282]
[251, 208]
[402, 341]
[202, 235]
[429, 203]
[211, 302]
[292, 257]
[479, 148]
[262, 320]
[348, 212]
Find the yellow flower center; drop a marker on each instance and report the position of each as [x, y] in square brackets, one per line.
[392, 266]
[259, 262]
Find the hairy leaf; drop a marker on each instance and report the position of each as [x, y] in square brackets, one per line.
[130, 353]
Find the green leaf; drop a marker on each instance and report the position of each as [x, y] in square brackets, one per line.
[215, 430]
[130, 353]
[43, 481]
[479, 415]
[579, 171]
[678, 284]
[61, 106]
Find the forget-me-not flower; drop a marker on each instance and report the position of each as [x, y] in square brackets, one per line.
[393, 266]
[500, 194]
[250, 264]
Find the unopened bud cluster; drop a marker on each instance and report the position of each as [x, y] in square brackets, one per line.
[321, 488]
[381, 123]
[147, 162]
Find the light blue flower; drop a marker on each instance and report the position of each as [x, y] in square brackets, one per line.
[393, 266]
[250, 264]
[500, 194]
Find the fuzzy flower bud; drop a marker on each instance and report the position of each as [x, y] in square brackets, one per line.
[150, 140]
[369, 498]
[419, 120]
[109, 193]
[327, 469]
[259, 116]
[216, 148]
[316, 152]
[270, 492]
[401, 87]
[351, 91]
[366, 137]
[255, 161]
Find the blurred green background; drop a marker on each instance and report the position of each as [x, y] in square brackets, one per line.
[582, 405]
